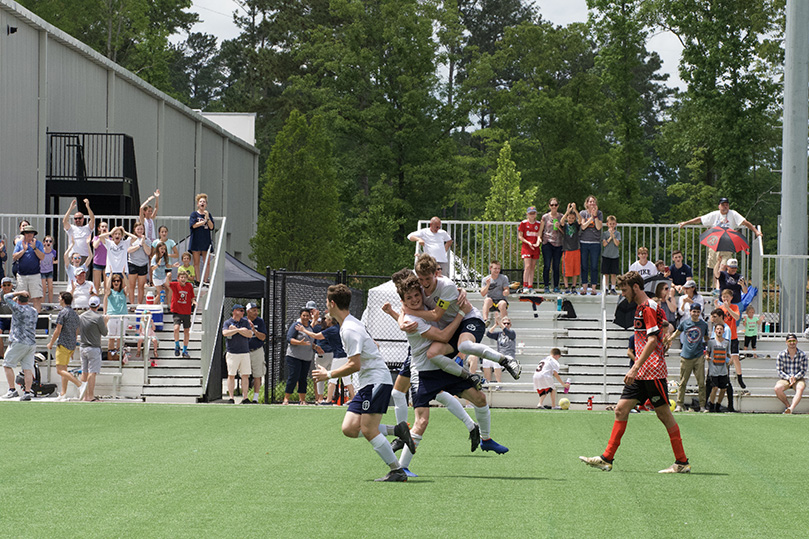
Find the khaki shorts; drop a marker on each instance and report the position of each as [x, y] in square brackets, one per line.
[63, 355]
[257, 367]
[30, 283]
[238, 364]
[785, 383]
[712, 257]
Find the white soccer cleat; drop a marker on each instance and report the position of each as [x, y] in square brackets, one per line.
[597, 462]
[677, 468]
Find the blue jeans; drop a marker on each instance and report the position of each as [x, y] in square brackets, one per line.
[297, 372]
[551, 256]
[590, 253]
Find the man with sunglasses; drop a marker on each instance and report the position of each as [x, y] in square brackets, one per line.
[79, 232]
[5, 312]
[28, 253]
[791, 365]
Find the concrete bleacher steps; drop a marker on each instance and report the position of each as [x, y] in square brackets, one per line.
[583, 358]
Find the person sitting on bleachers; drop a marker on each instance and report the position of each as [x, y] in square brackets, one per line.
[791, 365]
[495, 288]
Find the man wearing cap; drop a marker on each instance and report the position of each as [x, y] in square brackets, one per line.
[79, 233]
[528, 234]
[724, 217]
[435, 242]
[22, 342]
[693, 333]
[730, 278]
[93, 326]
[256, 344]
[27, 253]
[82, 289]
[791, 365]
[5, 311]
[238, 331]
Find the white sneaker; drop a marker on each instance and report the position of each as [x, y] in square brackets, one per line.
[678, 409]
[12, 393]
[62, 398]
[82, 390]
[677, 468]
[597, 462]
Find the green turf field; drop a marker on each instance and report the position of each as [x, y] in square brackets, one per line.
[138, 470]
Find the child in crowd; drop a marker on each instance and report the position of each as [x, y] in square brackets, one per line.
[99, 256]
[46, 267]
[717, 353]
[115, 306]
[751, 322]
[571, 247]
[160, 265]
[171, 245]
[73, 264]
[610, 242]
[547, 370]
[495, 287]
[643, 265]
[731, 319]
[528, 234]
[117, 241]
[182, 305]
[148, 331]
[662, 268]
[187, 267]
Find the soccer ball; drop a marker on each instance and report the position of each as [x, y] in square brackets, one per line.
[564, 404]
[672, 404]
[674, 385]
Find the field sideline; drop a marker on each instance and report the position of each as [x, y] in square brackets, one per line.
[146, 470]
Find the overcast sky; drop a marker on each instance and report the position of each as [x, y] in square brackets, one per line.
[217, 18]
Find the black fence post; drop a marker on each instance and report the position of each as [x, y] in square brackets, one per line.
[267, 342]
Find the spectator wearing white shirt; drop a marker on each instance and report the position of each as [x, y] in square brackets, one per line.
[435, 242]
[645, 267]
[79, 233]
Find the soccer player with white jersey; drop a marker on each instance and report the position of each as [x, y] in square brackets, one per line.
[373, 395]
[646, 379]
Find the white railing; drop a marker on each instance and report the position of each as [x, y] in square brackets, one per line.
[603, 321]
[213, 304]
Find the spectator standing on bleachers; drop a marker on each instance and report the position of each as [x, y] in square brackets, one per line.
[93, 326]
[160, 269]
[547, 370]
[202, 224]
[171, 245]
[7, 286]
[146, 215]
[99, 255]
[750, 322]
[495, 288]
[645, 267]
[115, 307]
[299, 355]
[22, 342]
[724, 217]
[82, 289]
[256, 345]
[717, 318]
[690, 297]
[238, 331]
[731, 319]
[79, 233]
[28, 253]
[610, 253]
[679, 271]
[571, 247]
[138, 258]
[729, 278]
[550, 230]
[65, 337]
[117, 241]
[182, 306]
[72, 263]
[693, 334]
[435, 242]
[791, 365]
[528, 234]
[187, 267]
[46, 268]
[3, 257]
[591, 222]
[718, 353]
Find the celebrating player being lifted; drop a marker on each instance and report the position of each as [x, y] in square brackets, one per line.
[645, 380]
[432, 380]
[371, 401]
[441, 298]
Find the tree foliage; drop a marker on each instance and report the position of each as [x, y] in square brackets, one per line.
[506, 201]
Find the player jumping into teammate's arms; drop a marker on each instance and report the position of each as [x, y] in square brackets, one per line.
[373, 394]
[646, 379]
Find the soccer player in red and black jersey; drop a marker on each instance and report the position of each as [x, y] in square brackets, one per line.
[646, 379]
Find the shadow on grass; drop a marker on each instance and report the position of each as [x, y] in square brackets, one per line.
[503, 477]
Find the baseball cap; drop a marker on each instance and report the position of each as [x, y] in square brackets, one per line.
[531, 209]
[724, 200]
[237, 306]
[733, 263]
[690, 284]
[252, 305]
[695, 307]
[311, 304]
[7, 280]
[78, 270]
[94, 301]
[791, 336]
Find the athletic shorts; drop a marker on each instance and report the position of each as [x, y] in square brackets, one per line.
[572, 263]
[475, 326]
[20, 354]
[257, 367]
[158, 282]
[720, 382]
[30, 283]
[734, 347]
[47, 275]
[405, 370]
[544, 391]
[750, 340]
[431, 383]
[63, 355]
[609, 266]
[527, 252]
[90, 359]
[184, 319]
[114, 328]
[325, 360]
[134, 269]
[238, 364]
[371, 399]
[489, 364]
[654, 390]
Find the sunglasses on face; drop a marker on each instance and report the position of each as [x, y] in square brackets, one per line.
[48, 242]
[553, 204]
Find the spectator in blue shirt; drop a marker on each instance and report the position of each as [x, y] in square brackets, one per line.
[256, 344]
[693, 334]
[679, 271]
[238, 331]
[27, 254]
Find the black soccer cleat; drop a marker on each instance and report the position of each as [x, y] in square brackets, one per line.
[394, 476]
[402, 431]
[397, 445]
[512, 366]
[478, 380]
[474, 437]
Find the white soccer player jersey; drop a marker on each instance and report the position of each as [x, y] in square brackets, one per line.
[445, 296]
[420, 344]
[357, 340]
[543, 377]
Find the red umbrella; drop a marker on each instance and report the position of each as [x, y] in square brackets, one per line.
[724, 239]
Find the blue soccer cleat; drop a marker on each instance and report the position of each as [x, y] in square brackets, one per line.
[491, 445]
[408, 473]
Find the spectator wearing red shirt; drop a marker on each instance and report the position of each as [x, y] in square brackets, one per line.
[182, 305]
[528, 233]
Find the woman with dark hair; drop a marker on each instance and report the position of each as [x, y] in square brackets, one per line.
[550, 230]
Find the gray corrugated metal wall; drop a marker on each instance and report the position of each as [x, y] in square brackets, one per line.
[48, 80]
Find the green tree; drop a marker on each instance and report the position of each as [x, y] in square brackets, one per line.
[506, 201]
[299, 224]
[196, 71]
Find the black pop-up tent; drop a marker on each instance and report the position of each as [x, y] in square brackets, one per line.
[242, 281]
